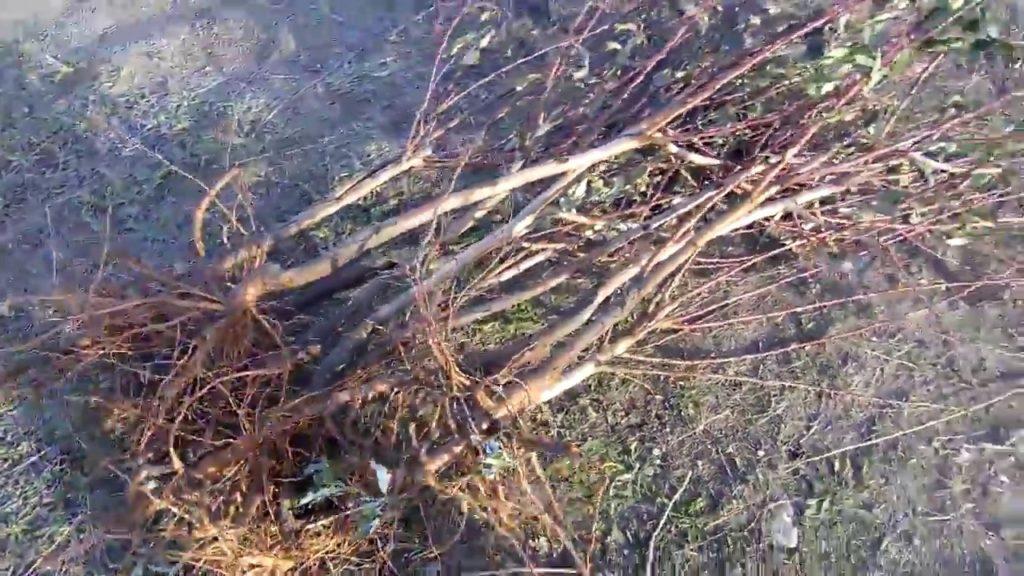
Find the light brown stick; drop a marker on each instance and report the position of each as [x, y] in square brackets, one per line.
[509, 299]
[342, 196]
[550, 381]
[340, 355]
[204, 205]
[635, 137]
[271, 280]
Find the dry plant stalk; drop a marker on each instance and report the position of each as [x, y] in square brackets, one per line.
[233, 397]
[204, 204]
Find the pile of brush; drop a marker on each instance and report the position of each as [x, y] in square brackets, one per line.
[614, 185]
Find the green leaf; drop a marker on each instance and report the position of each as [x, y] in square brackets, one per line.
[864, 60]
[885, 16]
[878, 72]
[460, 42]
[837, 53]
[368, 516]
[902, 62]
[322, 493]
[824, 88]
[487, 38]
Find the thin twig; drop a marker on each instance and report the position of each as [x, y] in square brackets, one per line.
[103, 255]
[910, 95]
[445, 271]
[204, 204]
[918, 428]
[276, 280]
[53, 248]
[661, 524]
[342, 196]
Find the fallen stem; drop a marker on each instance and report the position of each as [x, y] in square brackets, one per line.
[912, 430]
[342, 196]
[204, 205]
[661, 524]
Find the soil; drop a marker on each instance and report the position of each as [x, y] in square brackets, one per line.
[114, 115]
[117, 105]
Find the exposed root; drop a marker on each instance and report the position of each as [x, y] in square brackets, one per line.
[204, 204]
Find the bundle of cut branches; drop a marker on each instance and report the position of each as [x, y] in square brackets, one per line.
[621, 197]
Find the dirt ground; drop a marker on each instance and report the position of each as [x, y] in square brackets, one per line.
[119, 105]
[116, 114]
